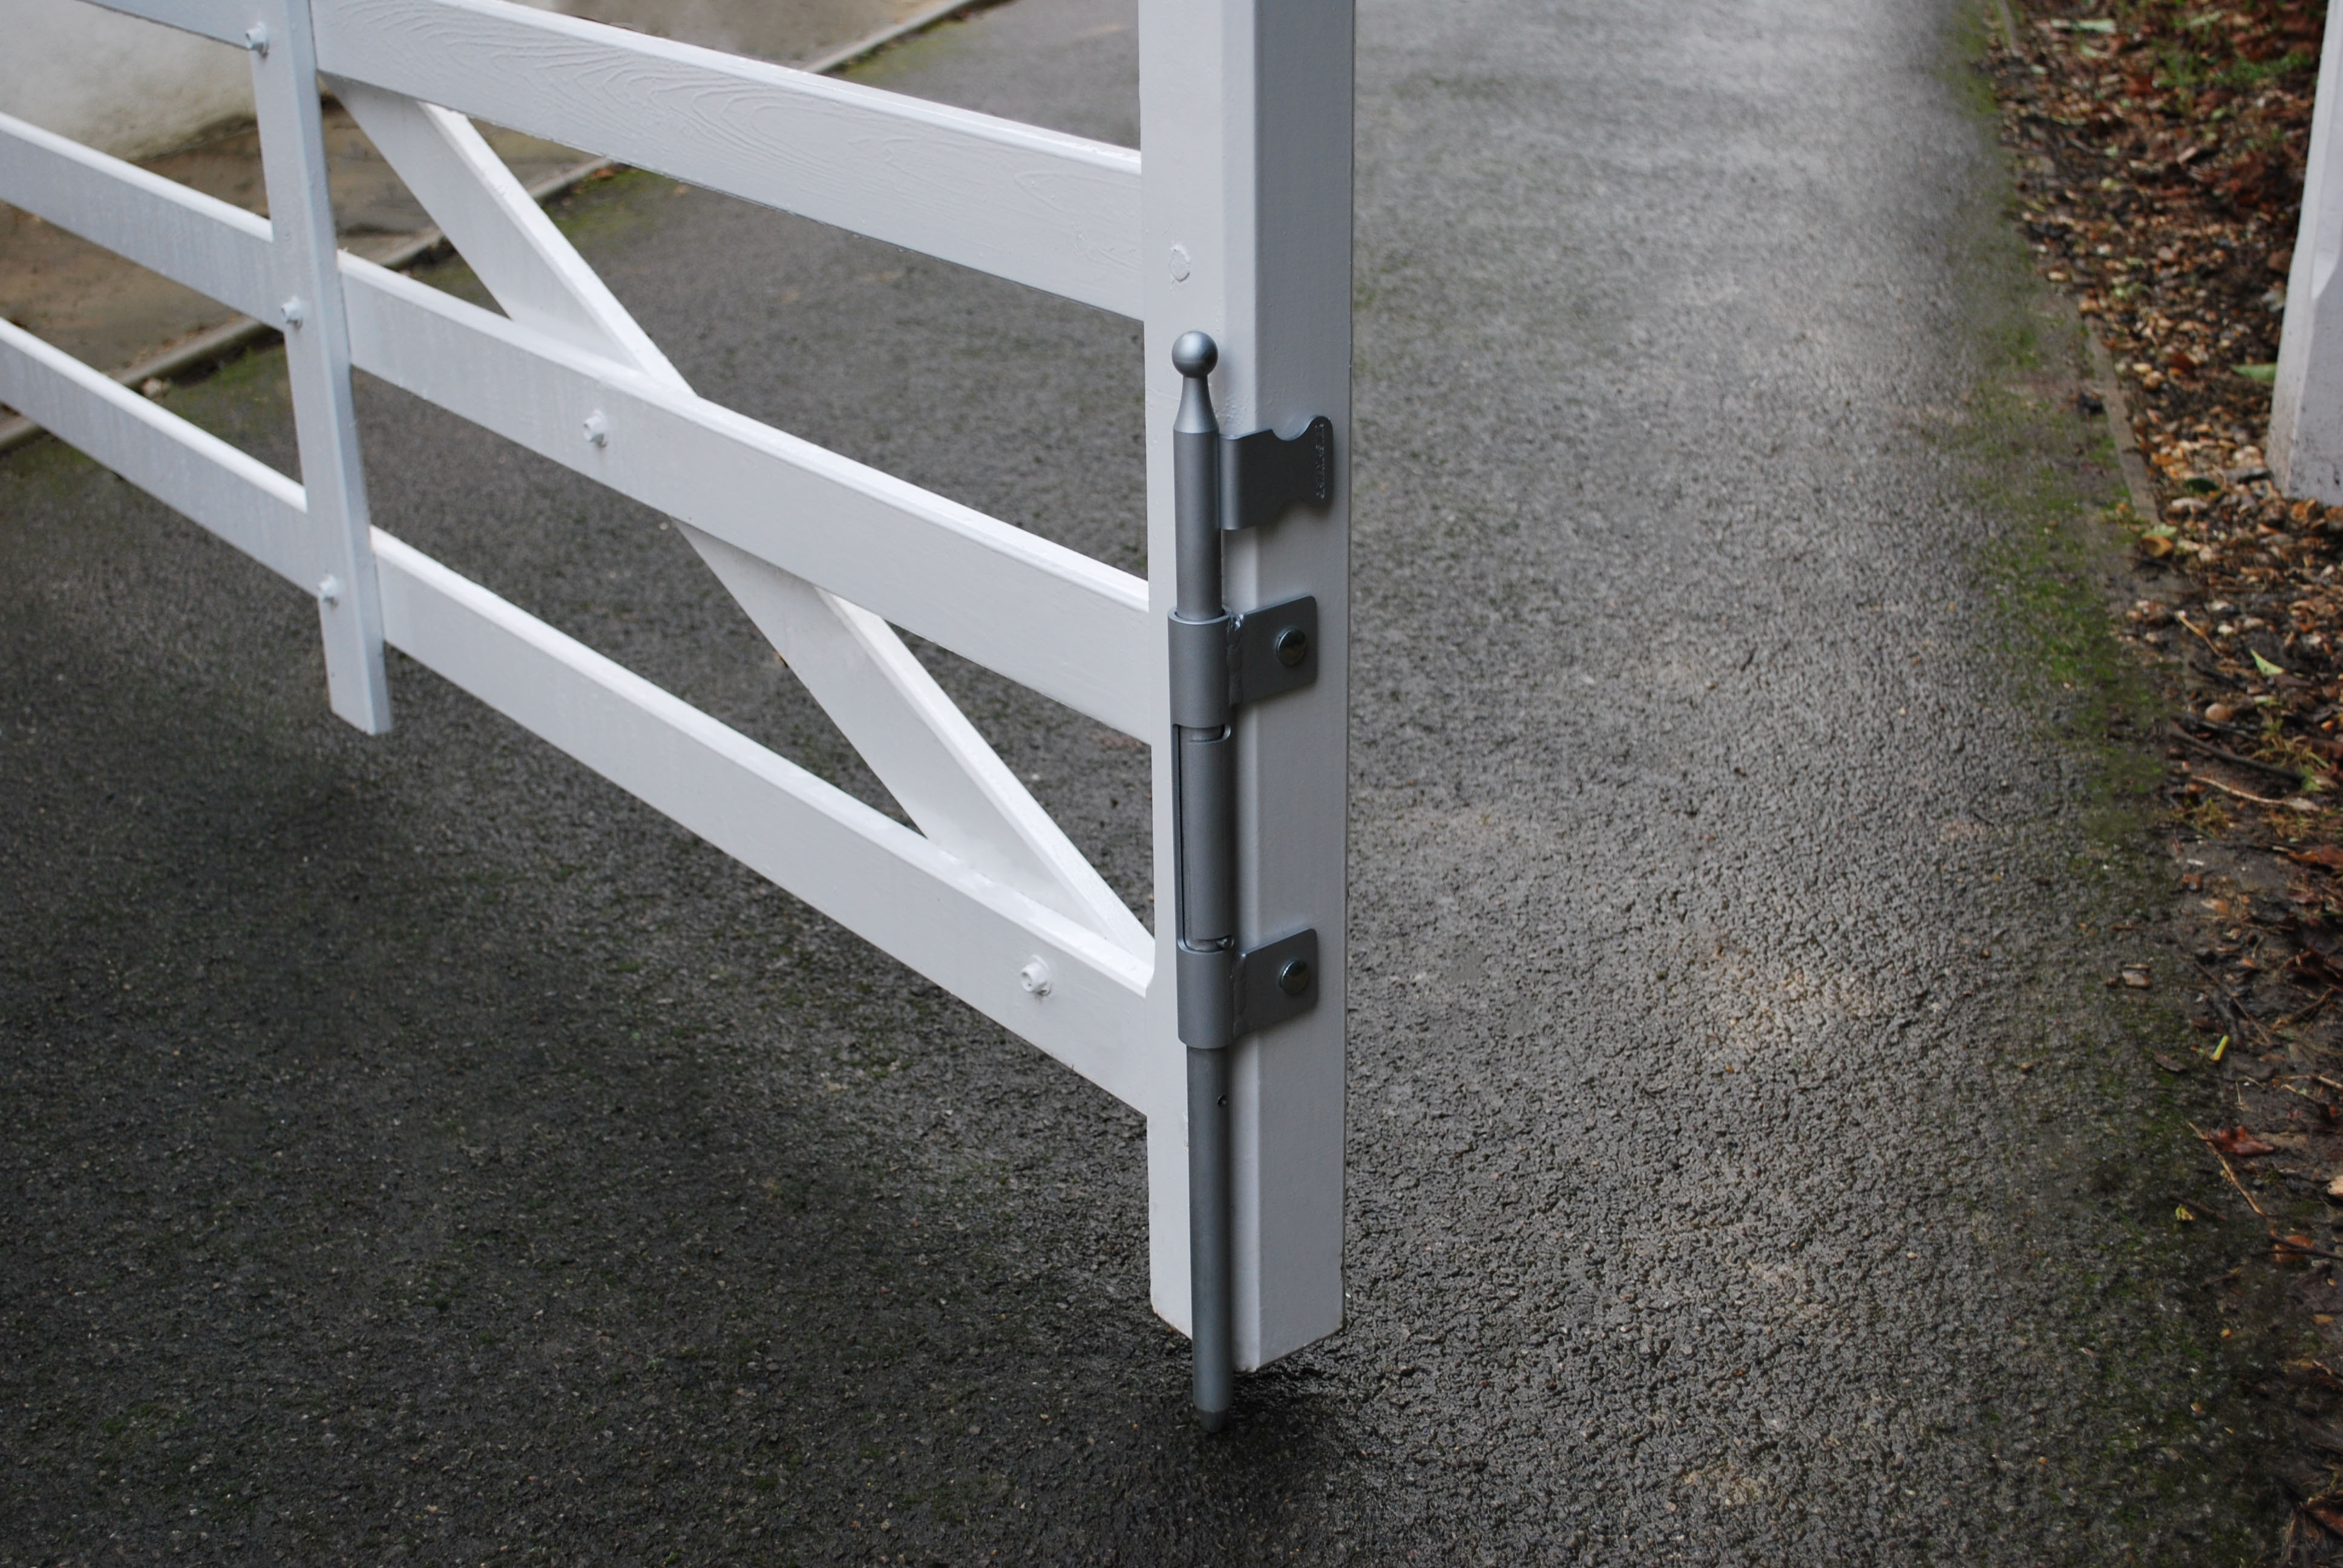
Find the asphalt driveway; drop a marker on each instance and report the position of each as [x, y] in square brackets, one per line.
[416, 1149]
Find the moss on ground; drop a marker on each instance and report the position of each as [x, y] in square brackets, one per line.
[2190, 1429]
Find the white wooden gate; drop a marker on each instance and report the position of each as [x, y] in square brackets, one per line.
[1235, 221]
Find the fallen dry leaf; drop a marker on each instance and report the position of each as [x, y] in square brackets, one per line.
[2317, 967]
[2326, 1513]
[2136, 977]
[2168, 1063]
[2236, 1141]
[2158, 167]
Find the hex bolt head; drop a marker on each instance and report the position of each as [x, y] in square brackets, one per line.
[1293, 647]
[1035, 978]
[597, 429]
[256, 40]
[294, 311]
[329, 592]
[1295, 978]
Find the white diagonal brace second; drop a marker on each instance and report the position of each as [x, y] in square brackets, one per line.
[946, 776]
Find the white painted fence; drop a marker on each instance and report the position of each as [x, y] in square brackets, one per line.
[1236, 222]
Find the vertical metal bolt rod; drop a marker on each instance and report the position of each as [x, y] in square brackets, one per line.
[1213, 1343]
[1203, 780]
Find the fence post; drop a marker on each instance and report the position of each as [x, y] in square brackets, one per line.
[302, 251]
[2306, 434]
[1245, 126]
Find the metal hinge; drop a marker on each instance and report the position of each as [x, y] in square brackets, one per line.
[1220, 660]
[1224, 663]
[1264, 473]
[1225, 994]
[1277, 981]
[1274, 649]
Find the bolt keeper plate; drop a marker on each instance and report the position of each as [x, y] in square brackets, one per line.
[1276, 981]
[1262, 643]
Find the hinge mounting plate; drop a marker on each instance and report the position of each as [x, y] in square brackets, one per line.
[1264, 473]
[1274, 649]
[1276, 981]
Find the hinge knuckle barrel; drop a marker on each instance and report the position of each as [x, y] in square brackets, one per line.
[1206, 977]
[1200, 671]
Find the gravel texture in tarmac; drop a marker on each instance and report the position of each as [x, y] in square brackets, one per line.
[415, 1148]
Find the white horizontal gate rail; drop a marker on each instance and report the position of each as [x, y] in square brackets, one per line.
[1240, 227]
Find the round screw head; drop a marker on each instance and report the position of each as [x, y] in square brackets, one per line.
[1293, 647]
[1295, 978]
[1195, 354]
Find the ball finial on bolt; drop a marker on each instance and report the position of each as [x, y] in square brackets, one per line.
[1194, 354]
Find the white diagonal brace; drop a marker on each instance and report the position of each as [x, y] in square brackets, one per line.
[945, 774]
[869, 872]
[919, 742]
[493, 222]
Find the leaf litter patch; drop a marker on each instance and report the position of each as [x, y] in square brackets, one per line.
[2158, 153]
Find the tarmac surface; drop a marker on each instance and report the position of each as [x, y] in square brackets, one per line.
[416, 1150]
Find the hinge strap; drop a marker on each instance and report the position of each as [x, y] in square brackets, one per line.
[1264, 473]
